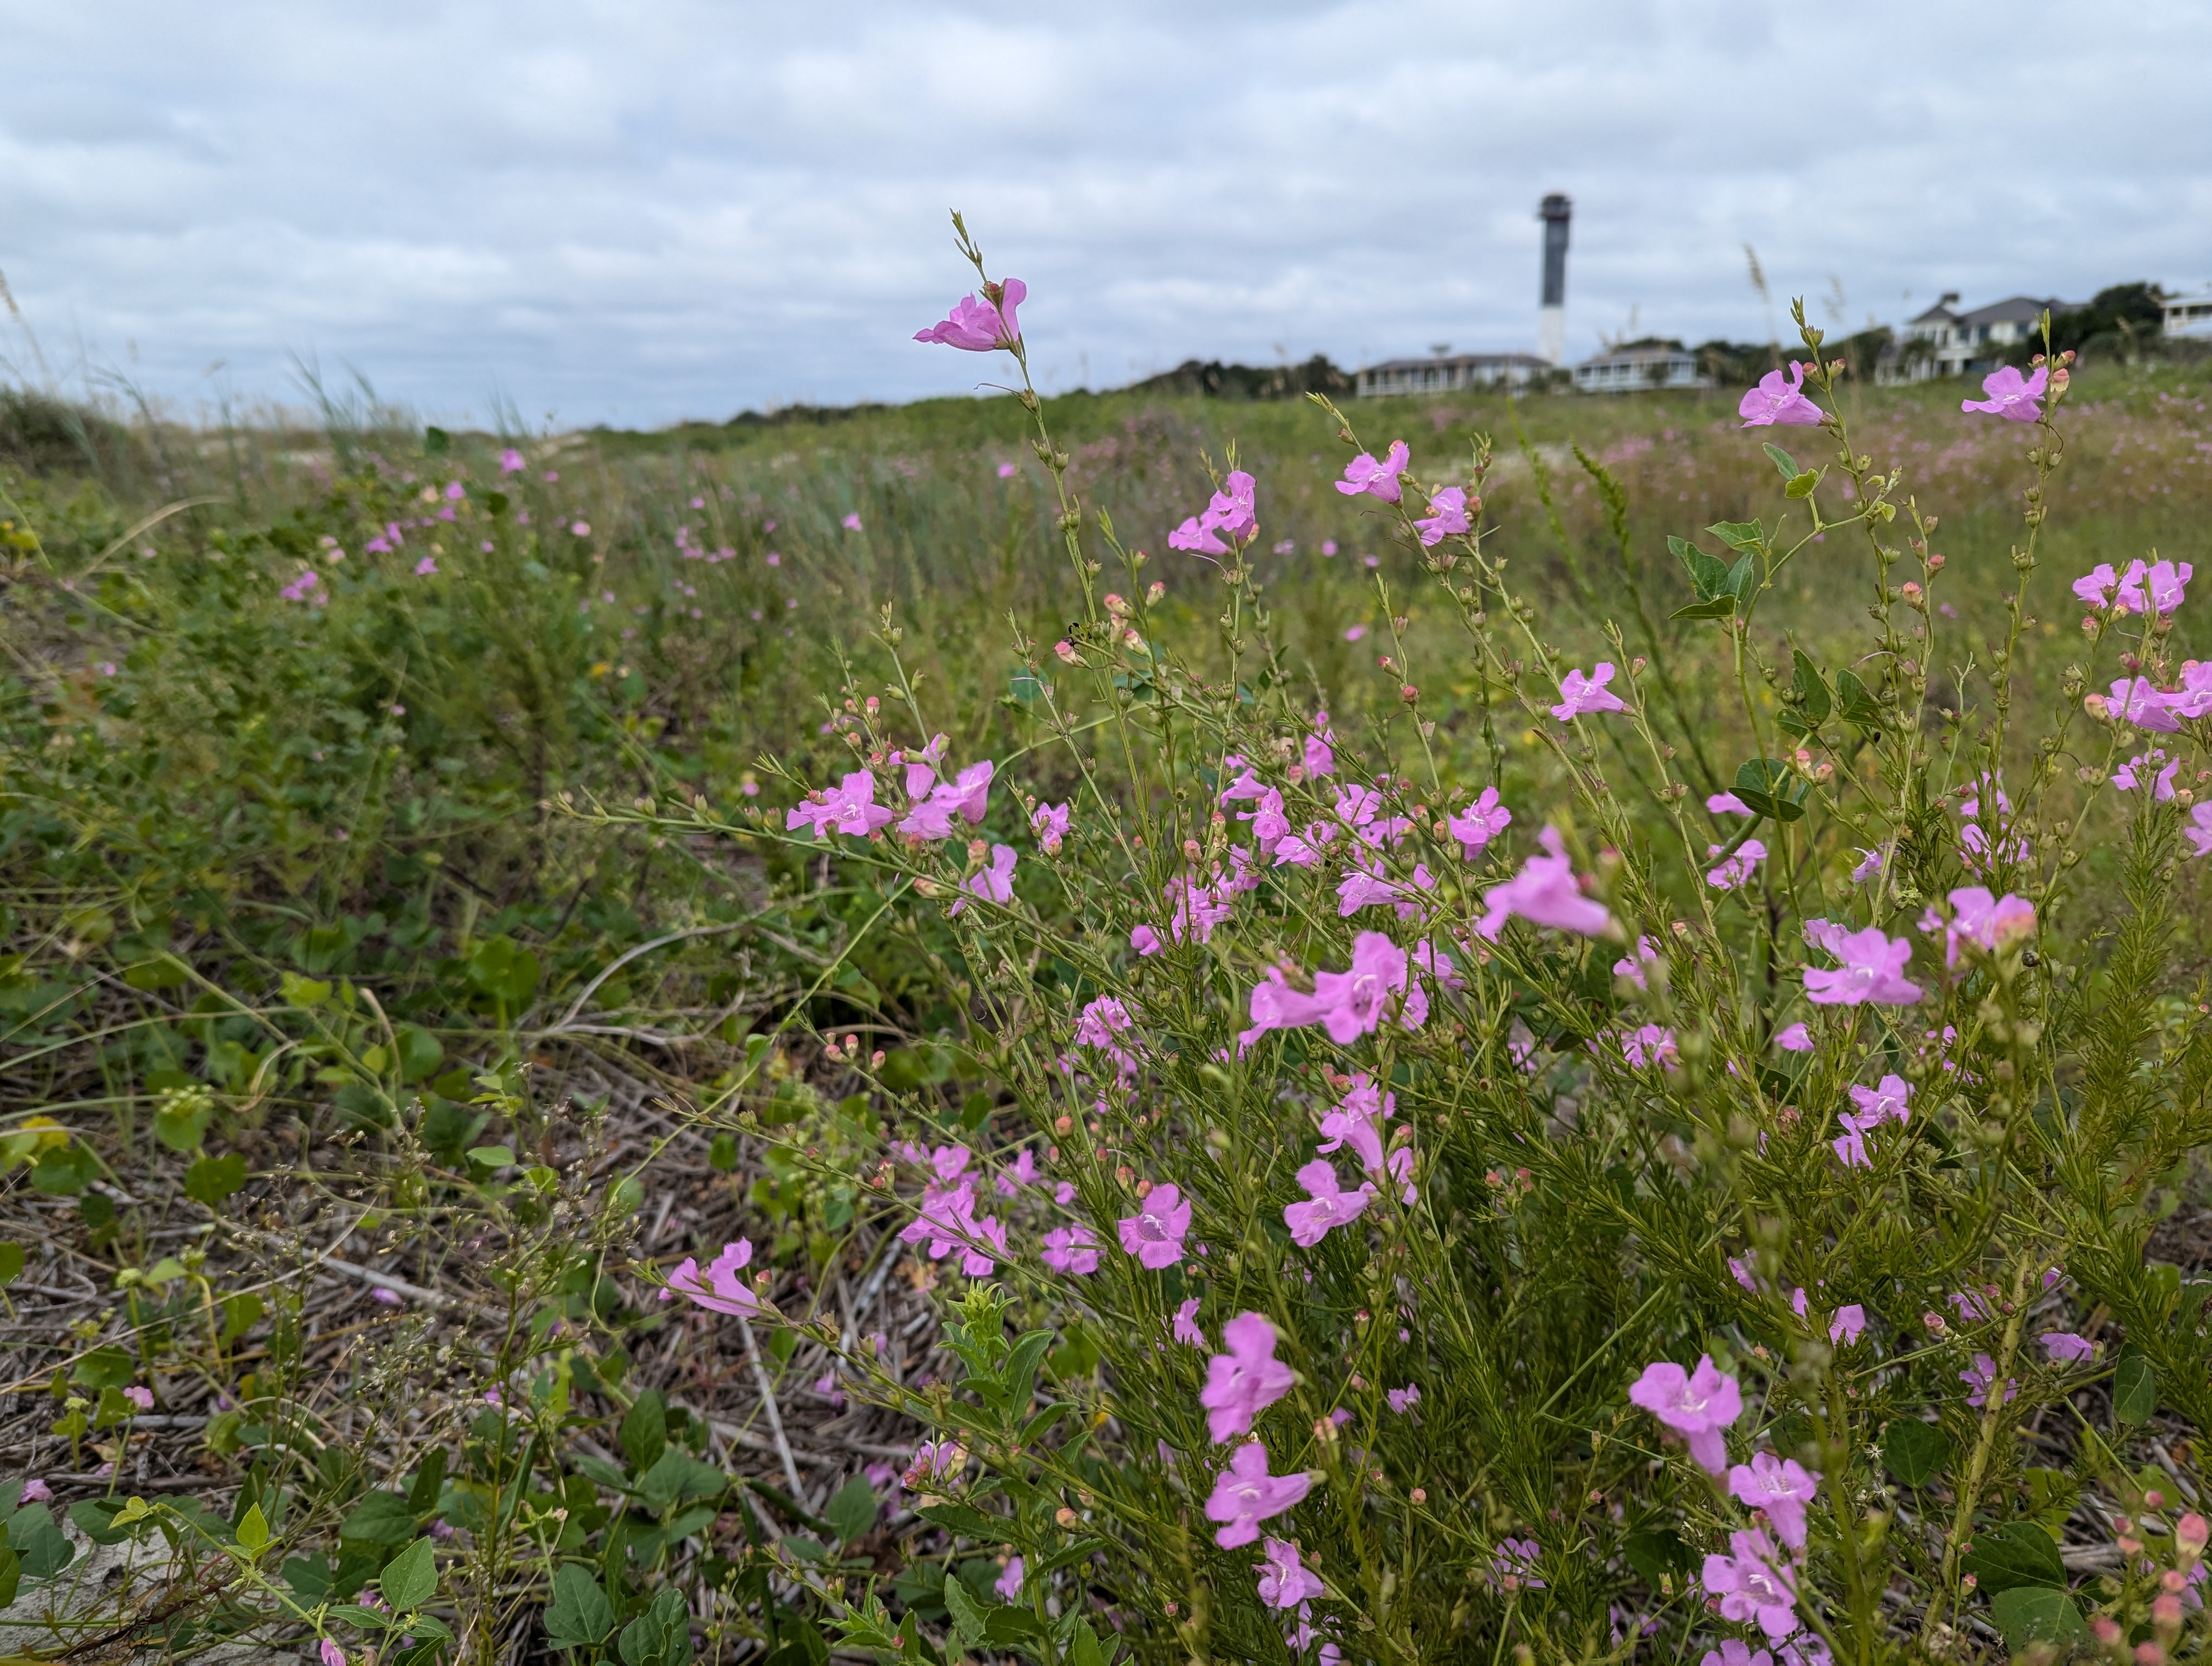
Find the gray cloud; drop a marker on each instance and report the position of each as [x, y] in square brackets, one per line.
[640, 211]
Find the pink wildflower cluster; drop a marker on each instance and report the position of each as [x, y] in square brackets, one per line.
[1991, 924]
[1348, 1004]
[1356, 1121]
[945, 1222]
[979, 326]
[1544, 893]
[2157, 588]
[1872, 968]
[720, 1288]
[1698, 1405]
[1877, 1105]
[1231, 510]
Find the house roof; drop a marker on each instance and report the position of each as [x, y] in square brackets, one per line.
[1640, 352]
[2019, 309]
[1468, 360]
[1939, 313]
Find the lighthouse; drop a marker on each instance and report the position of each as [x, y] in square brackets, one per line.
[1552, 318]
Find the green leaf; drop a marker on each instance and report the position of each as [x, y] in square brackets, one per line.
[1810, 688]
[661, 1636]
[11, 1269]
[35, 1536]
[1783, 462]
[429, 1479]
[2135, 1389]
[1746, 536]
[1656, 1552]
[851, 1510]
[108, 1367]
[967, 1615]
[420, 1052]
[1082, 1646]
[1915, 1452]
[1707, 574]
[1721, 607]
[579, 1616]
[675, 1475]
[254, 1530]
[969, 1523]
[502, 969]
[11, 1575]
[1803, 485]
[2029, 1614]
[1858, 706]
[492, 1157]
[304, 991]
[380, 1519]
[366, 1619]
[2015, 1555]
[212, 1179]
[436, 442]
[645, 1431]
[181, 1118]
[1739, 578]
[411, 1578]
[1767, 788]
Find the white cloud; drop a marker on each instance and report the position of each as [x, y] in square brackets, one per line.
[637, 211]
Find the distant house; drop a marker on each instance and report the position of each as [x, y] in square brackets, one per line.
[2189, 315]
[1946, 342]
[1639, 365]
[1442, 374]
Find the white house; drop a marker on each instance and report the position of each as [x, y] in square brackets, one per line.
[2189, 315]
[1951, 342]
[1441, 375]
[1638, 366]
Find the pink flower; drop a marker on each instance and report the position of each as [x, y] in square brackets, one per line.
[1245, 1494]
[1331, 1206]
[1754, 1583]
[581, 529]
[1727, 803]
[141, 1398]
[1579, 694]
[1283, 1583]
[302, 589]
[2136, 699]
[1005, 470]
[1794, 1039]
[1849, 1324]
[1146, 941]
[1733, 1651]
[426, 568]
[1991, 924]
[2095, 586]
[978, 326]
[1349, 1004]
[1780, 1487]
[1356, 1120]
[995, 884]
[1154, 1234]
[1072, 1250]
[1244, 1382]
[1698, 1404]
[1049, 823]
[1009, 1583]
[1478, 823]
[849, 807]
[2199, 832]
[934, 1461]
[1232, 512]
[1513, 1565]
[719, 1289]
[2011, 396]
[1776, 401]
[1649, 1044]
[2064, 1348]
[1184, 1329]
[1885, 1102]
[2138, 769]
[35, 1491]
[1363, 474]
[1403, 1400]
[1869, 865]
[967, 796]
[2163, 579]
[851, 522]
[1447, 517]
[922, 765]
[1320, 759]
[1737, 869]
[1544, 893]
[510, 461]
[1981, 1377]
[1024, 1173]
[1873, 969]
[1631, 966]
[331, 1654]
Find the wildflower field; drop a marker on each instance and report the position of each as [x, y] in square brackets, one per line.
[1112, 1028]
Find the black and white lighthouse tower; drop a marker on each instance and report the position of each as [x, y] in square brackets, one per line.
[1552, 319]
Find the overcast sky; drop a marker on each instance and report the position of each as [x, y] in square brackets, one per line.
[638, 211]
